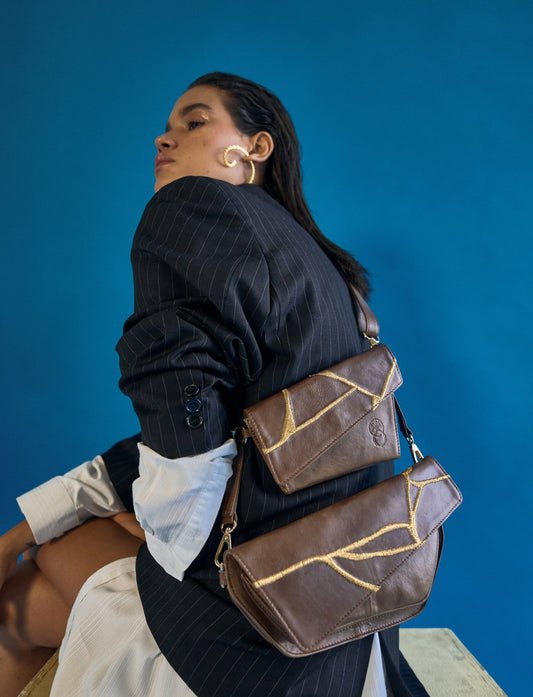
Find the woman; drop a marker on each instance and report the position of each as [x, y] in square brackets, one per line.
[237, 295]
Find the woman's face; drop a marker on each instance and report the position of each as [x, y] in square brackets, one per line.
[199, 129]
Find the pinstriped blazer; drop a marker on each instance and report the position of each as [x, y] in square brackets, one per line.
[233, 302]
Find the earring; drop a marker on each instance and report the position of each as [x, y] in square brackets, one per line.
[234, 162]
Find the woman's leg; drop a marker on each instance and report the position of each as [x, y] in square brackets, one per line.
[36, 599]
[33, 618]
[68, 561]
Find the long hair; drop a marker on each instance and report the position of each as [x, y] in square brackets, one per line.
[253, 108]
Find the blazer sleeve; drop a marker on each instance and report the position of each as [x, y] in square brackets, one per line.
[122, 464]
[202, 301]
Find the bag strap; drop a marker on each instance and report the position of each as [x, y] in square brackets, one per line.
[408, 434]
[369, 327]
[366, 319]
[229, 504]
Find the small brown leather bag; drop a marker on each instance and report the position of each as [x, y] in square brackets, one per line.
[361, 565]
[334, 422]
[337, 421]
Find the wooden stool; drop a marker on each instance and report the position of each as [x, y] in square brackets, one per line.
[444, 666]
[41, 683]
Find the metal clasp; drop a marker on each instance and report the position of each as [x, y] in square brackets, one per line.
[415, 450]
[374, 341]
[225, 543]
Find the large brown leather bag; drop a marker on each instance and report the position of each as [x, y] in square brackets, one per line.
[351, 569]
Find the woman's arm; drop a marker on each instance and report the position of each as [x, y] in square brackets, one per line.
[202, 297]
[65, 502]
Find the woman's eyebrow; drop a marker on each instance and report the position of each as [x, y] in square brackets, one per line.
[189, 108]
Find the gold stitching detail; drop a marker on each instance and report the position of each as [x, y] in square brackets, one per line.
[376, 399]
[348, 552]
[289, 427]
[289, 424]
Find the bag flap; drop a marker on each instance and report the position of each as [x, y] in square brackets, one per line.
[312, 574]
[296, 426]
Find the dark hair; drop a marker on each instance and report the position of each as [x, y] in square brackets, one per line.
[253, 108]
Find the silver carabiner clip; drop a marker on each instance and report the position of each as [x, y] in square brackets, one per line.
[415, 450]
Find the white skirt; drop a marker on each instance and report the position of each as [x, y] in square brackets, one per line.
[108, 650]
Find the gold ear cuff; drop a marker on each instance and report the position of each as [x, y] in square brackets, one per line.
[234, 162]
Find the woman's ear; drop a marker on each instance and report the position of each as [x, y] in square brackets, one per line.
[261, 147]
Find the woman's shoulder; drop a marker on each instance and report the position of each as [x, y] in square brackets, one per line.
[191, 188]
[207, 216]
[206, 192]
[203, 221]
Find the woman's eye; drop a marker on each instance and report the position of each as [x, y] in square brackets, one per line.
[194, 124]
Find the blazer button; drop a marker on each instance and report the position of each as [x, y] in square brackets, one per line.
[194, 421]
[193, 405]
[191, 390]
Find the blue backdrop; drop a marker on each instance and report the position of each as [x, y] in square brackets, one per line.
[415, 122]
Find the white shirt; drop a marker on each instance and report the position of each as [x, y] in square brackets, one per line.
[176, 501]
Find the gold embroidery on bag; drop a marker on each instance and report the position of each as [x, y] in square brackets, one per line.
[289, 424]
[348, 551]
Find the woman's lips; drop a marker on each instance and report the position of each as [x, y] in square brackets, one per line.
[160, 161]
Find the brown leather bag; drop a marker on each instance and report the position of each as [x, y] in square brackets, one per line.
[337, 421]
[361, 565]
[349, 570]
[334, 422]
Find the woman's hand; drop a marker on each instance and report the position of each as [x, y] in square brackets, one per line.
[129, 522]
[12, 544]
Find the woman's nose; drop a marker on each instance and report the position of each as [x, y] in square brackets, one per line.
[165, 141]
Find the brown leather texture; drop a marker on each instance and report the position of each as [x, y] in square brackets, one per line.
[366, 563]
[334, 422]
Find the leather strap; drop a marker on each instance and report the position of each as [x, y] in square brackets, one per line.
[406, 431]
[404, 428]
[366, 319]
[229, 510]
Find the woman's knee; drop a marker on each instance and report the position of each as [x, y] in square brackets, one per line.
[32, 614]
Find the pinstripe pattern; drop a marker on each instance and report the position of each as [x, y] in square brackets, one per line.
[232, 295]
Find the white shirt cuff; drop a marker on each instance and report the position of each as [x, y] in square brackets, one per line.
[63, 503]
[177, 502]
